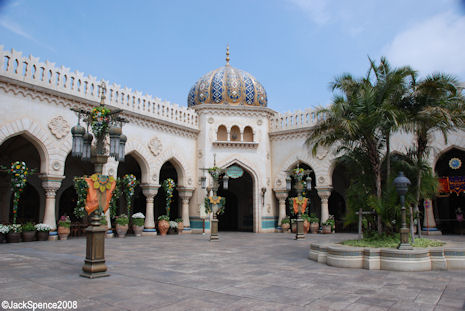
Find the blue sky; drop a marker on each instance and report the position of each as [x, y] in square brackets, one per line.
[293, 47]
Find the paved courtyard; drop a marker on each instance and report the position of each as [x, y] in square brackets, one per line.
[244, 271]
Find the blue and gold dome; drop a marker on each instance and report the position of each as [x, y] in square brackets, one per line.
[227, 85]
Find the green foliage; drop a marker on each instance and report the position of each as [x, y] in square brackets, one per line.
[313, 218]
[389, 241]
[329, 222]
[103, 220]
[81, 187]
[28, 227]
[285, 221]
[122, 220]
[64, 222]
[163, 217]
[306, 217]
[138, 221]
[178, 220]
[115, 197]
[128, 184]
[168, 185]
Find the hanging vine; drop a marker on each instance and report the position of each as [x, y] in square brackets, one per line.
[116, 194]
[168, 185]
[129, 182]
[81, 187]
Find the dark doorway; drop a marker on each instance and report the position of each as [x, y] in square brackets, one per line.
[238, 215]
[130, 166]
[167, 171]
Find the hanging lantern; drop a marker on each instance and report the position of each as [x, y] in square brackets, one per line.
[86, 154]
[288, 183]
[308, 180]
[78, 140]
[121, 150]
[225, 182]
[115, 134]
[203, 182]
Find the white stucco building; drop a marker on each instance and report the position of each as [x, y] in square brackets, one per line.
[226, 116]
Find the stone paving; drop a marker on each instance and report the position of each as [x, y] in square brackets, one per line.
[243, 271]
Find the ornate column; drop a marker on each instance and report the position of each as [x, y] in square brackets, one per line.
[185, 194]
[281, 195]
[109, 233]
[51, 183]
[324, 193]
[429, 223]
[149, 191]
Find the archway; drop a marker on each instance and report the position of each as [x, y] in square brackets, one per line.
[446, 204]
[167, 170]
[314, 206]
[238, 215]
[336, 202]
[131, 166]
[31, 205]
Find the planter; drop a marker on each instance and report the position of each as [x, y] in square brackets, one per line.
[294, 227]
[306, 226]
[2, 238]
[314, 226]
[163, 227]
[63, 232]
[13, 237]
[285, 227]
[326, 229]
[180, 227]
[121, 230]
[29, 236]
[42, 235]
[137, 230]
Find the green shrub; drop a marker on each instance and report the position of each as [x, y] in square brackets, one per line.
[122, 220]
[28, 227]
[163, 217]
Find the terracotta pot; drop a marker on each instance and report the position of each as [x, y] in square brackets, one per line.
[42, 235]
[314, 226]
[137, 230]
[122, 230]
[285, 227]
[306, 226]
[13, 237]
[63, 232]
[326, 229]
[180, 227]
[163, 227]
[29, 236]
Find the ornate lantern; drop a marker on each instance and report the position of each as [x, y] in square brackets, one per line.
[86, 150]
[225, 182]
[122, 146]
[78, 140]
[115, 134]
[288, 183]
[308, 180]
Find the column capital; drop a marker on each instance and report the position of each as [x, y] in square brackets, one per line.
[185, 193]
[51, 182]
[324, 192]
[149, 190]
[281, 194]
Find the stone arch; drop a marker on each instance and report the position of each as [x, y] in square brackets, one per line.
[444, 151]
[141, 155]
[33, 132]
[256, 195]
[185, 176]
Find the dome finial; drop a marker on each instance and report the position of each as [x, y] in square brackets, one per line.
[227, 54]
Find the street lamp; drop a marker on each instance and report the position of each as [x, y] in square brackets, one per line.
[299, 202]
[401, 182]
[102, 121]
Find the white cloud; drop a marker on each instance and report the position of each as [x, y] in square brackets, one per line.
[436, 44]
[17, 29]
[316, 10]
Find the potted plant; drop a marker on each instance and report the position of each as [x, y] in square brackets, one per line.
[285, 225]
[180, 225]
[122, 222]
[138, 220]
[173, 227]
[64, 225]
[314, 223]
[14, 233]
[42, 232]
[29, 232]
[306, 219]
[4, 229]
[328, 225]
[163, 224]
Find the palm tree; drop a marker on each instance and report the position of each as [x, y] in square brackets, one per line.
[435, 104]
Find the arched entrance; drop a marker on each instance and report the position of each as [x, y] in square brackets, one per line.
[167, 171]
[131, 166]
[336, 202]
[314, 206]
[31, 204]
[447, 203]
[238, 215]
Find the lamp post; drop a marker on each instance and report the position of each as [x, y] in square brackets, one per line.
[102, 121]
[401, 182]
[216, 173]
[301, 202]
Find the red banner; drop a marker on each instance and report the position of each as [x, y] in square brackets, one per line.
[451, 184]
[443, 185]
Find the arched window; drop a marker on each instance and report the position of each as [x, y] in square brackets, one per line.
[222, 134]
[248, 134]
[235, 133]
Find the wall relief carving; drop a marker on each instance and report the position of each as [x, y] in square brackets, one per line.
[59, 127]
[155, 146]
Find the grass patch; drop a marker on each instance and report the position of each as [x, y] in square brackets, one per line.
[390, 241]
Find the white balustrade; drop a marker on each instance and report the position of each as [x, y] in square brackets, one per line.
[294, 120]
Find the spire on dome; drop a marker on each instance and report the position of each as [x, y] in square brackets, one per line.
[227, 55]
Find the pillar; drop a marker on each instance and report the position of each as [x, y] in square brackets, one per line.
[51, 183]
[149, 191]
[281, 195]
[324, 194]
[109, 233]
[429, 223]
[185, 194]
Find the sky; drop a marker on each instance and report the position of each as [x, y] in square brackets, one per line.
[295, 48]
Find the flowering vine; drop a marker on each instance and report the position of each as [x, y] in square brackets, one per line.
[100, 120]
[18, 172]
[129, 183]
[168, 186]
[81, 187]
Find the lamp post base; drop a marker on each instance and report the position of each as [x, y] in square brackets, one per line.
[94, 264]
[214, 230]
[404, 243]
[300, 229]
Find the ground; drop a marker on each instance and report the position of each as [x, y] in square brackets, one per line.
[243, 271]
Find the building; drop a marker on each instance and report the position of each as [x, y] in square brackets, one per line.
[227, 120]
